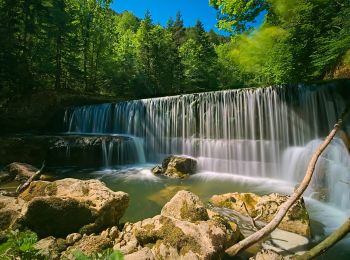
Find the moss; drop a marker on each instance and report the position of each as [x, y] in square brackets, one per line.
[51, 189]
[249, 200]
[56, 217]
[39, 189]
[169, 235]
[175, 237]
[147, 235]
[193, 213]
[184, 211]
[85, 190]
[225, 203]
[7, 217]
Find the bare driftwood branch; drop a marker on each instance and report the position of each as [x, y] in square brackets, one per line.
[265, 231]
[332, 239]
[250, 217]
[34, 177]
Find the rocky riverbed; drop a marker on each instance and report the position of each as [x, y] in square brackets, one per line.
[72, 215]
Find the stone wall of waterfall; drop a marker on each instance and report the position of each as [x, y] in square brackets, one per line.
[265, 132]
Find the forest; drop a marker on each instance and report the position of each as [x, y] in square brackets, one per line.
[103, 155]
[85, 46]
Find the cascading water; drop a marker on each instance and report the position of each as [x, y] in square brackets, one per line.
[265, 132]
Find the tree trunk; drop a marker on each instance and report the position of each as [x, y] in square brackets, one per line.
[327, 243]
[58, 60]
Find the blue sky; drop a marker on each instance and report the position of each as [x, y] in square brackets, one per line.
[161, 10]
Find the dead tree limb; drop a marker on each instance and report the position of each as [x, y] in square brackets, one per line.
[250, 217]
[34, 177]
[265, 231]
[332, 239]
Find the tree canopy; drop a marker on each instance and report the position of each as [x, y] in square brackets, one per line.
[85, 46]
[299, 40]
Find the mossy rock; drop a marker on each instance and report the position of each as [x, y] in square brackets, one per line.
[56, 216]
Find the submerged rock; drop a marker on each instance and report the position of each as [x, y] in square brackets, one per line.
[69, 205]
[296, 219]
[176, 233]
[176, 166]
[164, 195]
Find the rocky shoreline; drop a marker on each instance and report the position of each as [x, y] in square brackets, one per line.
[71, 215]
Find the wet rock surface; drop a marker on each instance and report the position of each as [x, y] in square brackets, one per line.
[264, 207]
[176, 166]
[61, 150]
[174, 235]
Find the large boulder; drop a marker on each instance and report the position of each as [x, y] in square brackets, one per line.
[296, 220]
[176, 166]
[69, 205]
[175, 234]
[17, 172]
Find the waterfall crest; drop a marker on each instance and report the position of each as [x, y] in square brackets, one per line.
[264, 132]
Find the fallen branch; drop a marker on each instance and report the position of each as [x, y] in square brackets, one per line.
[327, 243]
[250, 217]
[34, 177]
[265, 231]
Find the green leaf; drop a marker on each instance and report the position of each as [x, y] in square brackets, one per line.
[116, 255]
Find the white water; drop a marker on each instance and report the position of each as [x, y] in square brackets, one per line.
[267, 132]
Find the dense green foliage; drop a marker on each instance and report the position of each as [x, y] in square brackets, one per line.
[19, 245]
[83, 45]
[299, 40]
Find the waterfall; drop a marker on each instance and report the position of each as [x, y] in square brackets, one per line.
[264, 132]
